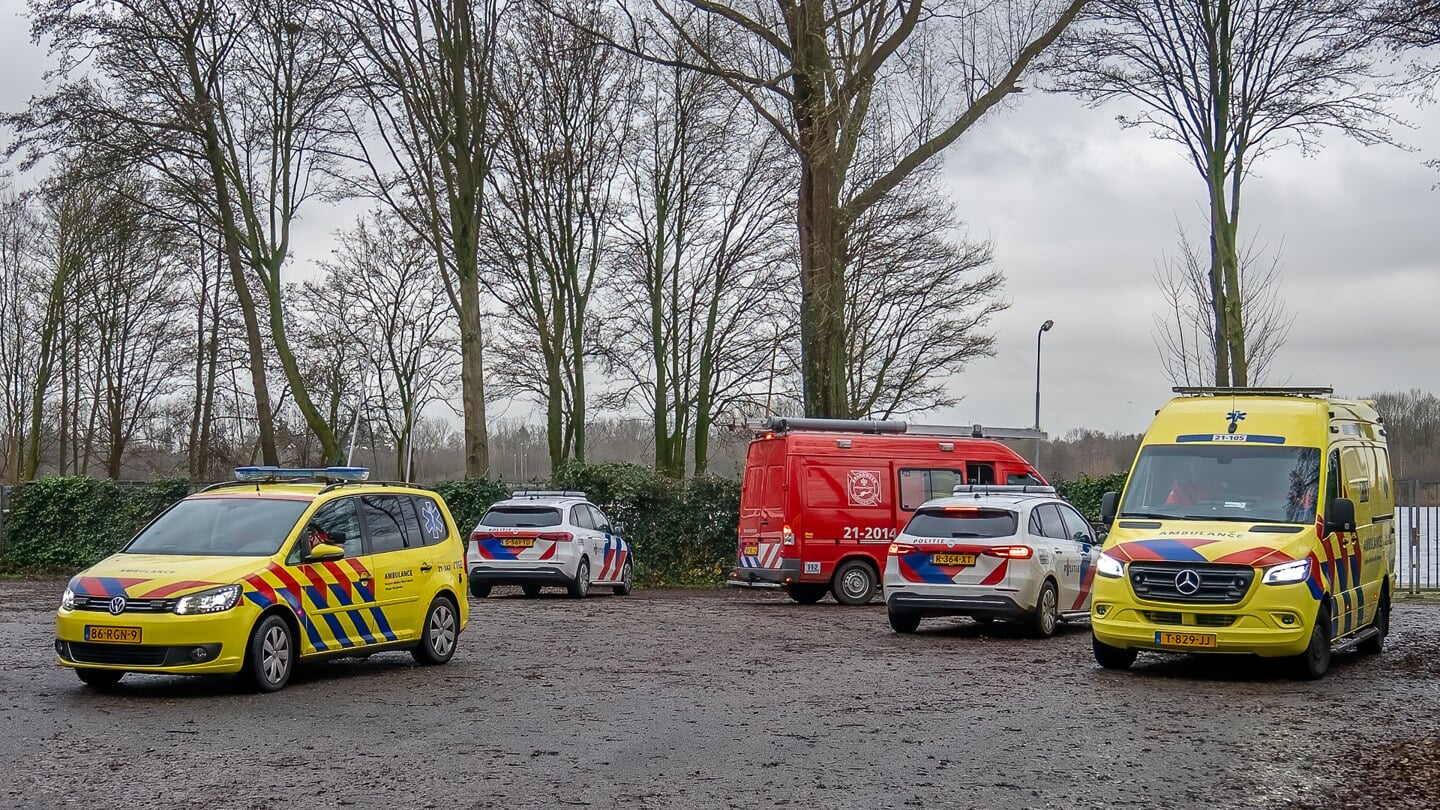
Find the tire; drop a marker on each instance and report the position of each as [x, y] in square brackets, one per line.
[479, 590]
[579, 587]
[270, 655]
[100, 678]
[807, 593]
[983, 619]
[530, 591]
[855, 583]
[1312, 664]
[439, 634]
[903, 621]
[1041, 623]
[626, 580]
[1376, 645]
[1111, 657]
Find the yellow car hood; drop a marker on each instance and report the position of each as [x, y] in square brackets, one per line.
[153, 576]
[1200, 542]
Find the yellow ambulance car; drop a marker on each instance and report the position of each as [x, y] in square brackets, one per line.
[279, 566]
[1254, 520]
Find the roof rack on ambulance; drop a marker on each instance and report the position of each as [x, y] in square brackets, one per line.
[245, 476]
[1282, 390]
[1002, 489]
[548, 493]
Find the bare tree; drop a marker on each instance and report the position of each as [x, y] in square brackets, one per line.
[812, 69]
[424, 67]
[1185, 332]
[1410, 24]
[19, 326]
[560, 104]
[1230, 82]
[919, 299]
[702, 252]
[383, 289]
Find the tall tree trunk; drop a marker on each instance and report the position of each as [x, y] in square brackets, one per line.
[321, 428]
[472, 373]
[49, 330]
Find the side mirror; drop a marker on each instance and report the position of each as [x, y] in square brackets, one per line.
[617, 527]
[1340, 516]
[325, 552]
[1108, 504]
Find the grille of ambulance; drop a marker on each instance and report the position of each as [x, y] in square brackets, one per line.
[757, 554]
[83, 602]
[1214, 584]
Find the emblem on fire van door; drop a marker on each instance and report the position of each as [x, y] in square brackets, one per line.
[863, 487]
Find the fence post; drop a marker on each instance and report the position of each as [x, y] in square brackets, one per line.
[1414, 558]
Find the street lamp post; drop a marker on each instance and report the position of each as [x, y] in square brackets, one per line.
[1044, 327]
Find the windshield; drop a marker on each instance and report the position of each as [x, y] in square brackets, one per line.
[220, 527]
[512, 517]
[962, 522]
[1237, 482]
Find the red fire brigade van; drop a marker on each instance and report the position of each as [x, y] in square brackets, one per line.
[822, 498]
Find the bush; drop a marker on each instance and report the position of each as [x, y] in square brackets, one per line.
[58, 525]
[1085, 492]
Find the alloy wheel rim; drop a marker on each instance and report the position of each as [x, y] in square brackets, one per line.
[582, 577]
[442, 630]
[275, 654]
[1048, 606]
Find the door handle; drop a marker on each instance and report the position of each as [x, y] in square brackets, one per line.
[425, 567]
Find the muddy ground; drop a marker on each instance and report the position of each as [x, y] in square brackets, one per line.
[725, 699]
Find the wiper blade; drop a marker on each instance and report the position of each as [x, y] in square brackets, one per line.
[1222, 518]
[1150, 515]
[965, 534]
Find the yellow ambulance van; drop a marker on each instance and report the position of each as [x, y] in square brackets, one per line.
[1254, 520]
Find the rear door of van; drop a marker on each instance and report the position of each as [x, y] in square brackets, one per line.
[762, 506]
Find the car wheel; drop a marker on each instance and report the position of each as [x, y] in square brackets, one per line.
[1376, 645]
[579, 587]
[100, 678]
[1315, 661]
[855, 583]
[439, 633]
[531, 591]
[1111, 657]
[904, 621]
[626, 580]
[1042, 621]
[807, 593]
[983, 619]
[479, 590]
[270, 656]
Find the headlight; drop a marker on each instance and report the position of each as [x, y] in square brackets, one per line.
[1109, 567]
[1297, 571]
[67, 600]
[211, 601]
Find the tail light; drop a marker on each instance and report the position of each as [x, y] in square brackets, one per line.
[900, 548]
[788, 534]
[558, 537]
[1011, 552]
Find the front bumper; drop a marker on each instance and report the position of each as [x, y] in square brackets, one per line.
[168, 643]
[1273, 621]
[787, 574]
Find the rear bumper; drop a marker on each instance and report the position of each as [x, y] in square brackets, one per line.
[538, 575]
[787, 574]
[993, 605]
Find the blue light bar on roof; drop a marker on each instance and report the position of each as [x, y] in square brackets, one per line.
[299, 473]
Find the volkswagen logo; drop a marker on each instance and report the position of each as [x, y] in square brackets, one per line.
[117, 606]
[1187, 581]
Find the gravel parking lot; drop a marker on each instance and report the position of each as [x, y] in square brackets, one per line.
[718, 699]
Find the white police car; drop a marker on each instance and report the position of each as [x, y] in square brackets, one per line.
[992, 552]
[539, 537]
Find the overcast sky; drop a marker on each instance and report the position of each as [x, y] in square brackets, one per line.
[1080, 211]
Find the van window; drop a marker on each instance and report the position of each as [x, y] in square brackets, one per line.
[977, 473]
[1024, 479]
[1332, 478]
[1237, 482]
[384, 525]
[956, 522]
[919, 486]
[1077, 527]
[1051, 524]
[1355, 464]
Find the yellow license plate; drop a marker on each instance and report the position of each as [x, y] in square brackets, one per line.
[953, 559]
[1195, 640]
[751, 551]
[518, 542]
[112, 635]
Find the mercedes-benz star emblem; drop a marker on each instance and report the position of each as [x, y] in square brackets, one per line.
[117, 606]
[1187, 581]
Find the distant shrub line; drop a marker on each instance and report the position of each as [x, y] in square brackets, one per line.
[683, 532]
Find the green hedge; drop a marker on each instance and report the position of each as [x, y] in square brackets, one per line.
[63, 524]
[1085, 492]
[683, 532]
